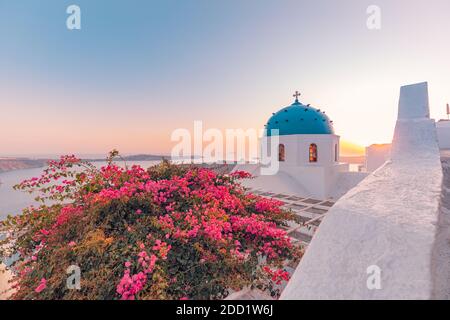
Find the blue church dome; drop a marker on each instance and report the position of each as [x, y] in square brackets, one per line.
[299, 119]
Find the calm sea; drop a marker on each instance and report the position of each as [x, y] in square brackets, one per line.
[12, 201]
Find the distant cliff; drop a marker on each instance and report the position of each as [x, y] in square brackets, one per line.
[137, 157]
[145, 157]
[8, 164]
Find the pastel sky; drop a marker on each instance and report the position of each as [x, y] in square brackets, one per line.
[137, 70]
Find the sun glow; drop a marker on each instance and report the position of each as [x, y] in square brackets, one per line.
[351, 149]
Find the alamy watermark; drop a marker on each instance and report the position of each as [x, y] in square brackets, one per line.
[231, 145]
[374, 277]
[373, 21]
[73, 281]
[73, 21]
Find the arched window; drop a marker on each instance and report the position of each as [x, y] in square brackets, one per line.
[336, 153]
[281, 152]
[312, 152]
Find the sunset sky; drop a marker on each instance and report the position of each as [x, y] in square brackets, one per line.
[137, 70]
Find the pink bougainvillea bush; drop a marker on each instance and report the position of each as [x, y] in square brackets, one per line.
[168, 232]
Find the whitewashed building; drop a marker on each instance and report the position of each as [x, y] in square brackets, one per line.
[388, 237]
[443, 133]
[308, 155]
[376, 155]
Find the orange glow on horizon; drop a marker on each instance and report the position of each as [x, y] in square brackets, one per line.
[351, 149]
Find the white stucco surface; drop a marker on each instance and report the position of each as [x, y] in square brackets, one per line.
[413, 102]
[296, 174]
[345, 182]
[388, 220]
[304, 181]
[376, 155]
[281, 182]
[441, 253]
[443, 133]
[297, 149]
[316, 179]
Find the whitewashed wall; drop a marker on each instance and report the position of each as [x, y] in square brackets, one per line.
[316, 178]
[387, 223]
[376, 155]
[297, 149]
[443, 133]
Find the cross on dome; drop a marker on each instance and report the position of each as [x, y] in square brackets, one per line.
[299, 119]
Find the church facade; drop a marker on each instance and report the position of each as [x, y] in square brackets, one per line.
[308, 148]
[307, 151]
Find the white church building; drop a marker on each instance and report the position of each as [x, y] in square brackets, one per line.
[386, 238]
[308, 155]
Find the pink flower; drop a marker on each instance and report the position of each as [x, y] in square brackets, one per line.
[130, 285]
[241, 175]
[42, 285]
[200, 208]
